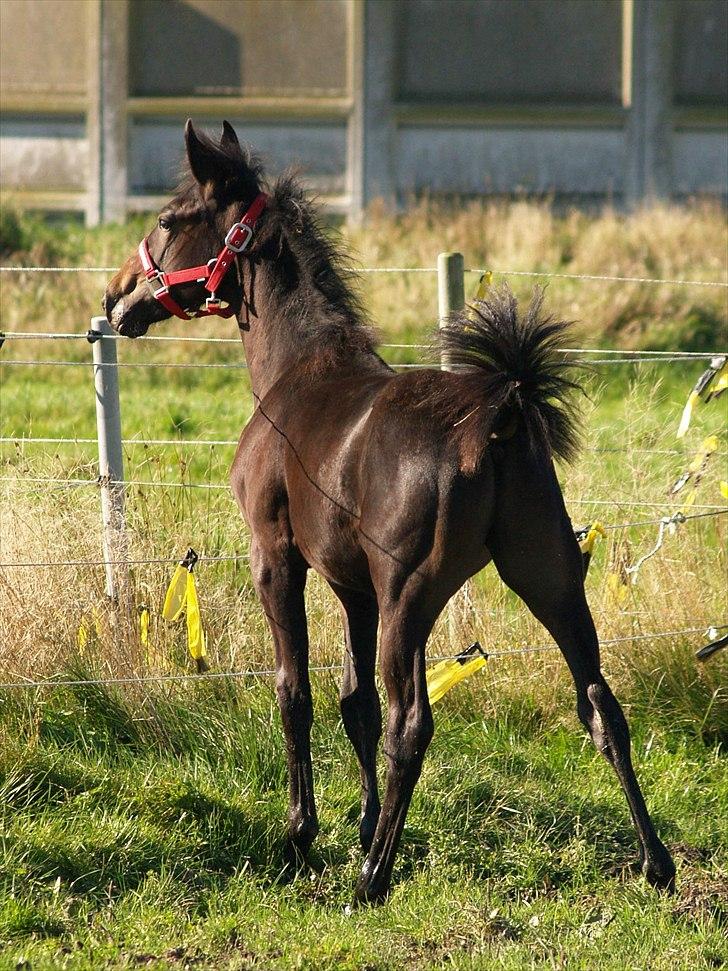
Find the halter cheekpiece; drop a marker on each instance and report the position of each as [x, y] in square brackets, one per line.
[211, 274]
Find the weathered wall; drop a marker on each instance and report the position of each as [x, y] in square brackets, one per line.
[591, 98]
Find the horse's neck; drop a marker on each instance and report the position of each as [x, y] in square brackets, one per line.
[277, 332]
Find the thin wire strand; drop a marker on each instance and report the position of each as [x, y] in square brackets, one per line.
[269, 672]
[26, 440]
[242, 366]
[646, 354]
[77, 483]
[233, 365]
[245, 556]
[418, 269]
[223, 558]
[204, 485]
[193, 442]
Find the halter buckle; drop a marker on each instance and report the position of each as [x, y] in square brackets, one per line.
[239, 237]
[212, 304]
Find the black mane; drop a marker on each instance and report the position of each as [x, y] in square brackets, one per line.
[309, 278]
[315, 250]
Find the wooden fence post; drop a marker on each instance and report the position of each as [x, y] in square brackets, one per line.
[450, 290]
[111, 460]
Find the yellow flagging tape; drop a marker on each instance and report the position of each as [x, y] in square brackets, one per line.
[447, 674]
[176, 596]
[695, 471]
[89, 628]
[617, 589]
[484, 284]
[181, 597]
[144, 625]
[724, 489]
[586, 537]
[195, 633]
[711, 384]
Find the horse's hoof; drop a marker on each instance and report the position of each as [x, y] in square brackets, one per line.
[294, 860]
[659, 871]
[366, 897]
[301, 834]
[369, 892]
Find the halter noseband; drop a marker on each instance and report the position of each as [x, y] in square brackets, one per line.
[211, 274]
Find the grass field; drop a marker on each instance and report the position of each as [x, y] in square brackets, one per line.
[142, 825]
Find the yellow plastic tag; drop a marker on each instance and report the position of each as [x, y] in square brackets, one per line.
[144, 625]
[696, 469]
[195, 633]
[724, 489]
[719, 383]
[689, 499]
[596, 529]
[617, 589]
[447, 674]
[693, 397]
[484, 284]
[174, 600]
[89, 628]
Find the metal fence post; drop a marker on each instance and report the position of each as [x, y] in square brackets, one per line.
[111, 461]
[450, 290]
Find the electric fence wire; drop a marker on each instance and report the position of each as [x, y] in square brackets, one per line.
[420, 269]
[270, 672]
[245, 556]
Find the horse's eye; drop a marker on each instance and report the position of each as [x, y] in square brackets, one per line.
[165, 223]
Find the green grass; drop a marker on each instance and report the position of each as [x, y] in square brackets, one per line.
[144, 826]
[151, 825]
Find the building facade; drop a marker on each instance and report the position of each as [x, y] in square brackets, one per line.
[591, 99]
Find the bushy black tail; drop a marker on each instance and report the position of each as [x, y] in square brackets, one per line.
[523, 361]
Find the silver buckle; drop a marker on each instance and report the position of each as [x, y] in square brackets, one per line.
[249, 235]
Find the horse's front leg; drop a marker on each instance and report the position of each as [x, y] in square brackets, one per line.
[279, 576]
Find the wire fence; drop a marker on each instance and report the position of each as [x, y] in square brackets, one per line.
[110, 561]
[615, 355]
[595, 277]
[321, 668]
[596, 356]
[229, 442]
[242, 366]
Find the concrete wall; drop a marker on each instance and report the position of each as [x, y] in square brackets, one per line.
[615, 99]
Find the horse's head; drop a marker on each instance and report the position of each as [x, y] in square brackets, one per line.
[186, 266]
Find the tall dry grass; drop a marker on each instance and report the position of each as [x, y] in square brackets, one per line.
[41, 609]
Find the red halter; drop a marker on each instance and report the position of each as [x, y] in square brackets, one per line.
[211, 274]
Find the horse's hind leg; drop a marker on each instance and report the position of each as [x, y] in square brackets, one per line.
[545, 570]
[408, 733]
[360, 708]
[280, 579]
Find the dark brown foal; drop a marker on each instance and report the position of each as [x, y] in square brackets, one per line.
[395, 488]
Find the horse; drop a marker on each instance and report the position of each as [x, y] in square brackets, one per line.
[394, 487]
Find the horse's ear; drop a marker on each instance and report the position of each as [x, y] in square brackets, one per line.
[204, 161]
[229, 139]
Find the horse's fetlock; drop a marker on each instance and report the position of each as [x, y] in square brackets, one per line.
[302, 830]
